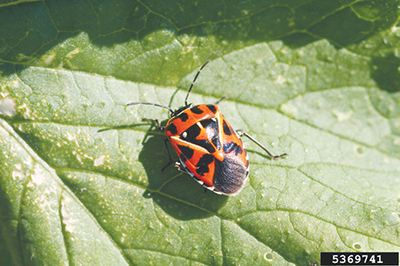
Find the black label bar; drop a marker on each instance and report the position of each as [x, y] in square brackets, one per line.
[359, 258]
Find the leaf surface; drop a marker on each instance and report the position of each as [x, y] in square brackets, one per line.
[80, 179]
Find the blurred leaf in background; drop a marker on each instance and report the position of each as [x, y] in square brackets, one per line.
[316, 79]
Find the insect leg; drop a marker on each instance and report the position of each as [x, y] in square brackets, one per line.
[154, 121]
[157, 122]
[220, 100]
[171, 160]
[241, 133]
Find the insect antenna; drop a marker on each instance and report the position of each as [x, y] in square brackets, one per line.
[194, 80]
[153, 104]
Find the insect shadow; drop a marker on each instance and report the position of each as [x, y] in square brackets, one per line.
[175, 192]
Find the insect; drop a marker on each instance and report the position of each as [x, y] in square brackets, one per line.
[209, 149]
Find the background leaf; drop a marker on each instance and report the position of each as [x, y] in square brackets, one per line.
[80, 173]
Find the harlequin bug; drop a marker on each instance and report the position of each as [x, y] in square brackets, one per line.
[209, 149]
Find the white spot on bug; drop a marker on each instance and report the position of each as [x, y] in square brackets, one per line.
[184, 134]
[7, 107]
[99, 161]
[214, 190]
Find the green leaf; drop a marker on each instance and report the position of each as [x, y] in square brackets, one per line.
[80, 179]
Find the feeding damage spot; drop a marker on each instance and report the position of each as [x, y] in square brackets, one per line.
[7, 107]
[38, 177]
[68, 221]
[268, 256]
[342, 116]
[99, 161]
